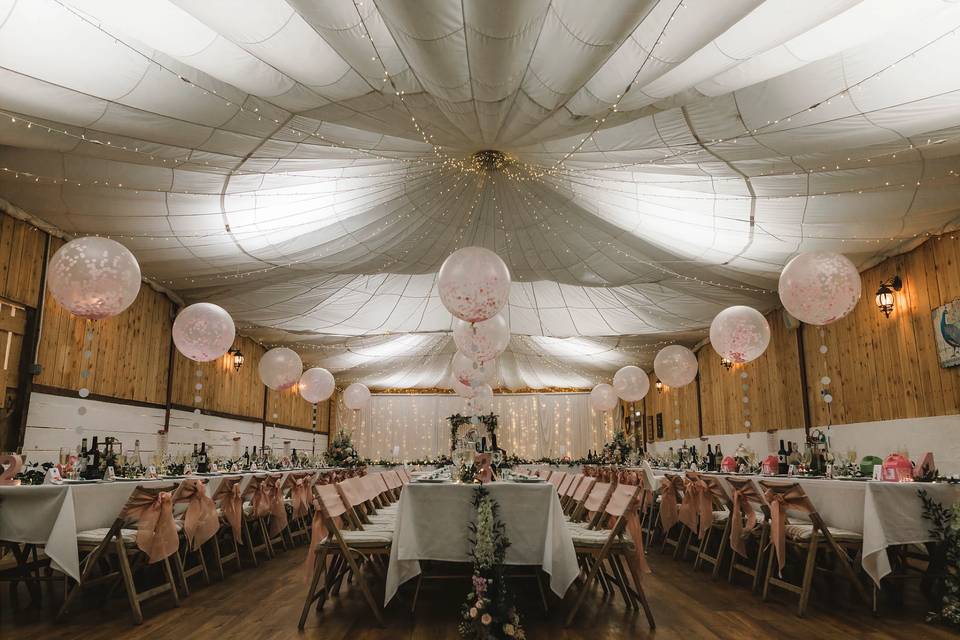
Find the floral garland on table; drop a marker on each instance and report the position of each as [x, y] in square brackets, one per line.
[946, 532]
[489, 611]
[342, 452]
[617, 451]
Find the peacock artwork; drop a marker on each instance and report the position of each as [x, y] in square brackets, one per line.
[946, 327]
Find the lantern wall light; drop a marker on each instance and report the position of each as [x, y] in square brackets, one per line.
[885, 298]
[659, 386]
[237, 358]
[727, 363]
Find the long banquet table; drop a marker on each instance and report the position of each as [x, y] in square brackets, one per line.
[886, 513]
[432, 524]
[51, 515]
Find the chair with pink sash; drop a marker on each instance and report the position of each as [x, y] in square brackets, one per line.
[607, 543]
[806, 541]
[277, 520]
[229, 504]
[299, 499]
[143, 533]
[695, 513]
[197, 524]
[578, 496]
[714, 533]
[749, 530]
[257, 497]
[337, 551]
[671, 494]
[593, 503]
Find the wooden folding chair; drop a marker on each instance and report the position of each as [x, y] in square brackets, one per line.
[191, 493]
[749, 531]
[600, 549]
[348, 551]
[226, 543]
[579, 495]
[808, 540]
[718, 530]
[557, 478]
[668, 517]
[150, 508]
[256, 509]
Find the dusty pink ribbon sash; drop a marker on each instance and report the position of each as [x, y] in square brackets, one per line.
[278, 511]
[318, 533]
[200, 522]
[739, 532]
[300, 495]
[156, 529]
[231, 506]
[780, 501]
[262, 498]
[636, 534]
[668, 504]
[697, 500]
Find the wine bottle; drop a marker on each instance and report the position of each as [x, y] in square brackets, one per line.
[202, 465]
[782, 460]
[293, 458]
[246, 457]
[483, 444]
[718, 456]
[82, 458]
[93, 460]
[136, 462]
[711, 459]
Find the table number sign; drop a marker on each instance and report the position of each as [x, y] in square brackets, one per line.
[12, 464]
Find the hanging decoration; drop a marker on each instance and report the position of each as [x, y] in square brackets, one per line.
[462, 390]
[316, 385]
[482, 341]
[356, 396]
[675, 366]
[280, 368]
[470, 373]
[630, 383]
[819, 287]
[203, 332]
[740, 334]
[473, 283]
[94, 278]
[603, 397]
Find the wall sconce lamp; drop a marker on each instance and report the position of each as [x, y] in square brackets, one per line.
[885, 298]
[727, 363]
[237, 358]
[658, 385]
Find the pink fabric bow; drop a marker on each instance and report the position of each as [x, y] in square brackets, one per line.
[780, 500]
[156, 529]
[278, 511]
[200, 522]
[668, 504]
[697, 500]
[738, 531]
[231, 505]
[300, 494]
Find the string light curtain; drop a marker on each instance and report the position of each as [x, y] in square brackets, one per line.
[531, 425]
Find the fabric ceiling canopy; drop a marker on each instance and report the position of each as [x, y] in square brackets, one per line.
[309, 165]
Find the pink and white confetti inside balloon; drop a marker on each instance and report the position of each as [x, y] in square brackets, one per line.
[203, 332]
[740, 334]
[470, 373]
[316, 384]
[474, 284]
[819, 287]
[280, 368]
[483, 398]
[675, 366]
[356, 396]
[631, 383]
[482, 341]
[94, 278]
[603, 397]
[462, 390]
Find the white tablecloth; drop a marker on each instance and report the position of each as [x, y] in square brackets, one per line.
[886, 513]
[432, 524]
[51, 515]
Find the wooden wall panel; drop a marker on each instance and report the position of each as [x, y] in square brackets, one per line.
[225, 390]
[21, 260]
[773, 379]
[288, 408]
[887, 368]
[674, 404]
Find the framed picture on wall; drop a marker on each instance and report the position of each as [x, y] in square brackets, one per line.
[660, 425]
[946, 330]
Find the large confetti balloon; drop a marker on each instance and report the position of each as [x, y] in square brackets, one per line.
[203, 332]
[356, 396]
[483, 398]
[675, 366]
[462, 390]
[482, 341]
[819, 287]
[474, 284]
[739, 334]
[94, 278]
[470, 373]
[316, 384]
[631, 383]
[280, 368]
[603, 397]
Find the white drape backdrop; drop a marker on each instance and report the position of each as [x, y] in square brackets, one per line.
[531, 425]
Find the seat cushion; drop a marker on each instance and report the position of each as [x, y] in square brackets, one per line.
[379, 527]
[805, 531]
[583, 537]
[382, 519]
[367, 538]
[720, 516]
[97, 535]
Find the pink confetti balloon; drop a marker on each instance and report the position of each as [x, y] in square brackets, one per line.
[203, 332]
[356, 396]
[675, 366]
[740, 334]
[317, 384]
[482, 341]
[462, 390]
[474, 284]
[470, 373]
[603, 397]
[94, 278]
[280, 368]
[483, 398]
[631, 383]
[819, 287]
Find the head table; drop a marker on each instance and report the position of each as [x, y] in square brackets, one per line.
[432, 524]
[51, 515]
[885, 513]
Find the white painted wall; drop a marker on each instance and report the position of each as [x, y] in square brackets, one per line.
[940, 434]
[59, 421]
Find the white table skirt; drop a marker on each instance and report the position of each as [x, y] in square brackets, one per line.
[886, 513]
[432, 524]
[51, 515]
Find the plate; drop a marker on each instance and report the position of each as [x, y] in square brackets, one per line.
[81, 481]
[432, 480]
[528, 480]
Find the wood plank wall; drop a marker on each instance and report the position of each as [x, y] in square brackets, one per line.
[675, 403]
[225, 390]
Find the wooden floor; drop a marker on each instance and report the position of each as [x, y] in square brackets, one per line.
[265, 603]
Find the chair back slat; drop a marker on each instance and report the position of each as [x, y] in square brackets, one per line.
[329, 498]
[597, 497]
